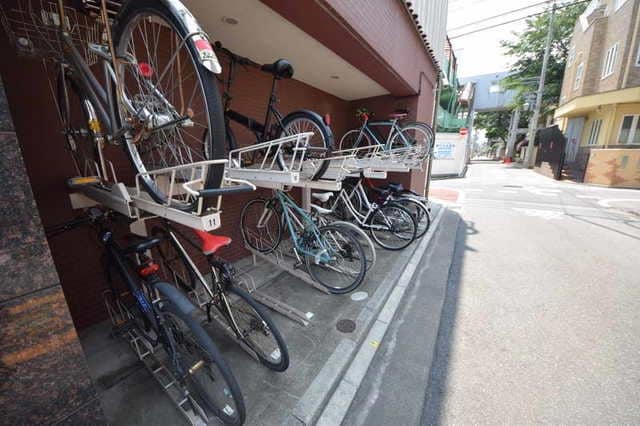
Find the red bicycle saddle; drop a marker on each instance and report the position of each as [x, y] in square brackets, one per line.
[210, 243]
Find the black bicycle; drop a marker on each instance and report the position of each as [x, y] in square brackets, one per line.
[164, 317]
[217, 291]
[299, 121]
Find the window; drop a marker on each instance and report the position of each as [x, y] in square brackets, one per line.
[595, 132]
[578, 80]
[619, 4]
[609, 63]
[571, 56]
[630, 130]
[495, 87]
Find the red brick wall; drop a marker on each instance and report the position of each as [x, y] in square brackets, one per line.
[77, 254]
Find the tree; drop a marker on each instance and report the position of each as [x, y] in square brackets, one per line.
[496, 124]
[528, 51]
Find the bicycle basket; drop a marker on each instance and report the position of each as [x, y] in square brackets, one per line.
[33, 26]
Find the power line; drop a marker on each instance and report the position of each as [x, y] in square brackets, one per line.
[500, 15]
[515, 20]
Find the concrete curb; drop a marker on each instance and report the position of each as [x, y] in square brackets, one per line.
[331, 392]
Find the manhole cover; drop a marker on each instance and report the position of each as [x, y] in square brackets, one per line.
[346, 325]
[359, 295]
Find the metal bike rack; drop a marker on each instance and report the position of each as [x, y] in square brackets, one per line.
[179, 183]
[180, 396]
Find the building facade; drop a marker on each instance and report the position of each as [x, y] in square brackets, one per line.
[347, 54]
[600, 98]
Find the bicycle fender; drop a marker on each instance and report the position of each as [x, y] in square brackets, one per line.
[178, 298]
[306, 111]
[197, 37]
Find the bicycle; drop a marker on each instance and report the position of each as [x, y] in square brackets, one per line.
[300, 121]
[164, 317]
[391, 225]
[415, 135]
[391, 193]
[247, 320]
[333, 257]
[158, 98]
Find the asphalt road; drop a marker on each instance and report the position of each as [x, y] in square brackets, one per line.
[541, 315]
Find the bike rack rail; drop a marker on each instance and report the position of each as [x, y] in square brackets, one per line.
[122, 321]
[180, 183]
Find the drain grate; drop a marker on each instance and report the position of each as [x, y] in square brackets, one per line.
[346, 325]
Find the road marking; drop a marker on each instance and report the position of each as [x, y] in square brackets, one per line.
[547, 192]
[542, 214]
[607, 201]
[507, 191]
[588, 196]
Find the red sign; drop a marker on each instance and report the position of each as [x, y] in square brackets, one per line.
[464, 131]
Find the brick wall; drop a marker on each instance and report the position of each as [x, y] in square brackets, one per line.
[76, 254]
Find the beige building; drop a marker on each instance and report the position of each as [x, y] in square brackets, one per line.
[600, 98]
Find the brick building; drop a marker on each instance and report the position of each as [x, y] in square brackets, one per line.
[347, 54]
[600, 98]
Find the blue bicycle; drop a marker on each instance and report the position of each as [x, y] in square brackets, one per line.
[332, 254]
[400, 135]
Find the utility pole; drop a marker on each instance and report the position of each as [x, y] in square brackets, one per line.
[513, 130]
[533, 124]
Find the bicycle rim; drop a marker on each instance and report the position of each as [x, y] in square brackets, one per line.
[302, 122]
[413, 135]
[170, 101]
[338, 263]
[260, 226]
[419, 213]
[208, 379]
[392, 227]
[258, 331]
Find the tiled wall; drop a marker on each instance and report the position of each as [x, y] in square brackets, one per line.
[43, 374]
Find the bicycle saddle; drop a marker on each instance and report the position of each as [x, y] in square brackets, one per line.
[322, 196]
[280, 68]
[210, 243]
[395, 187]
[399, 114]
[142, 245]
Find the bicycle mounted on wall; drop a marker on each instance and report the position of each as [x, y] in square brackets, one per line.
[275, 124]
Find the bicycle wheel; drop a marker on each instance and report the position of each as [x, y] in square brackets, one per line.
[412, 136]
[206, 374]
[364, 240]
[355, 138]
[426, 127]
[79, 123]
[258, 330]
[173, 268]
[307, 121]
[392, 227]
[168, 98]
[419, 213]
[339, 262]
[260, 225]
[342, 210]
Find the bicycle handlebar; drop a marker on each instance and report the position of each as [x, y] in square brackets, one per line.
[236, 58]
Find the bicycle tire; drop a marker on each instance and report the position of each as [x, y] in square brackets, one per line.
[419, 212]
[213, 138]
[266, 357]
[382, 219]
[346, 244]
[252, 237]
[204, 349]
[295, 123]
[417, 136]
[426, 126]
[346, 141]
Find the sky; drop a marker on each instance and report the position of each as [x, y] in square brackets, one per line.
[481, 53]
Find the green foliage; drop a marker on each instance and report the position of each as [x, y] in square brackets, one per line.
[528, 51]
[495, 123]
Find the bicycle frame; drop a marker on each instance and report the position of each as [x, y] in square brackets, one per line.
[291, 215]
[362, 219]
[262, 131]
[368, 128]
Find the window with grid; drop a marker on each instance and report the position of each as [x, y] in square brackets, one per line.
[578, 78]
[609, 63]
[629, 130]
[595, 132]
